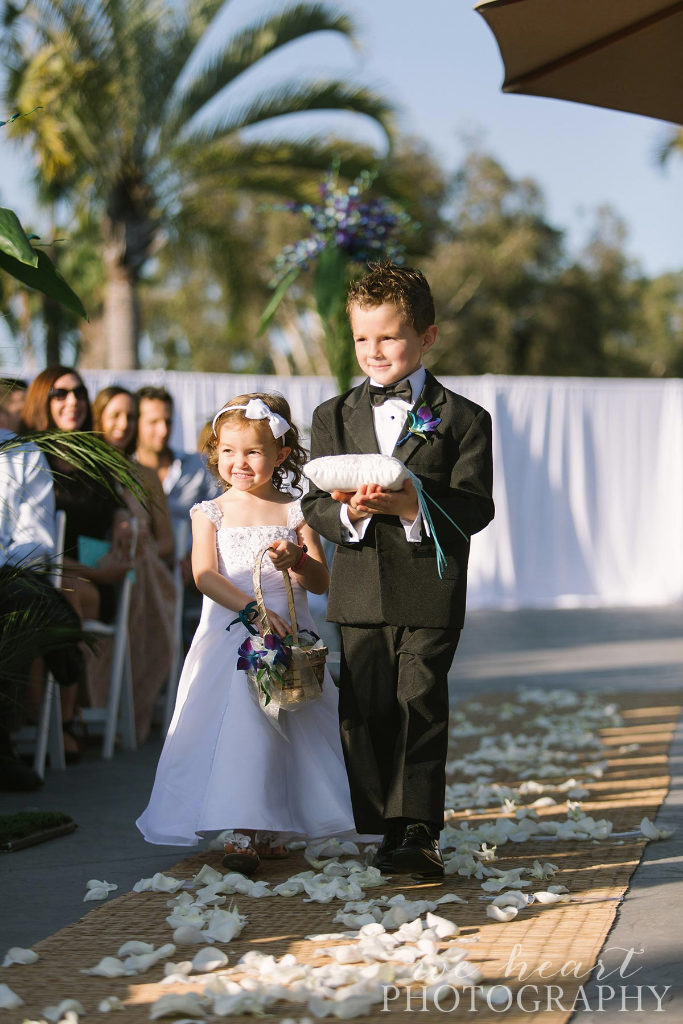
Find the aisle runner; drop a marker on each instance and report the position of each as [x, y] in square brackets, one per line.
[536, 962]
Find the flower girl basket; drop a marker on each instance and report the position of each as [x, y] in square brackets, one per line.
[302, 680]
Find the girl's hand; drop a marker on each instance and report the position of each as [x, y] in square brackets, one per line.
[277, 623]
[284, 554]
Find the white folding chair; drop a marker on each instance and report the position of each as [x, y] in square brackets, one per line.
[181, 534]
[118, 715]
[49, 737]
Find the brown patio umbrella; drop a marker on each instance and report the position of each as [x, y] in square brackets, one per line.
[623, 54]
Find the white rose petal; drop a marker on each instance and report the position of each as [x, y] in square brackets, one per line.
[109, 1004]
[66, 1006]
[189, 935]
[174, 1004]
[547, 898]
[9, 1000]
[94, 883]
[501, 913]
[513, 898]
[444, 929]
[18, 955]
[134, 947]
[108, 967]
[206, 875]
[651, 831]
[98, 892]
[158, 883]
[209, 959]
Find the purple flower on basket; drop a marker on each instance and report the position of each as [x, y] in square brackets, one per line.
[422, 423]
[276, 651]
[249, 656]
[262, 651]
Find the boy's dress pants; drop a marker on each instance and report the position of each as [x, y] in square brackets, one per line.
[393, 715]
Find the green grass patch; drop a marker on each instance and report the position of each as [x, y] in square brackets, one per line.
[27, 823]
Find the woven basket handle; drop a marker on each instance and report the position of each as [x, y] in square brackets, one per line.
[258, 593]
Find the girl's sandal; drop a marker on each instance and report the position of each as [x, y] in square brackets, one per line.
[240, 855]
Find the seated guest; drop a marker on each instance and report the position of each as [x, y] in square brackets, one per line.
[12, 393]
[32, 612]
[152, 635]
[58, 400]
[184, 477]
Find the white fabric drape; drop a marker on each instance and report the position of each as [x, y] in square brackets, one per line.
[588, 479]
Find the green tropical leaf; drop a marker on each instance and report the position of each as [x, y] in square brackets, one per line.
[14, 241]
[279, 294]
[295, 98]
[45, 278]
[87, 452]
[249, 46]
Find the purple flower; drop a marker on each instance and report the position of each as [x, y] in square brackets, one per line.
[361, 227]
[249, 657]
[422, 423]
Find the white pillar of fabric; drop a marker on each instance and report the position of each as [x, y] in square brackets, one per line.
[588, 479]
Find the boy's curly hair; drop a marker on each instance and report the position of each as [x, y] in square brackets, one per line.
[404, 287]
[291, 466]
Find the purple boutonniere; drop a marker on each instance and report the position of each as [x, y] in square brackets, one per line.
[422, 423]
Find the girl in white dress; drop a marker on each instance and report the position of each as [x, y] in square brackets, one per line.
[224, 765]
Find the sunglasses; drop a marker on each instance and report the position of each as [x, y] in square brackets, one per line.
[80, 393]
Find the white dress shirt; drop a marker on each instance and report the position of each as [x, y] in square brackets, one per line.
[389, 419]
[27, 505]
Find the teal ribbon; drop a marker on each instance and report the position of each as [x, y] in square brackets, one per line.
[248, 615]
[422, 499]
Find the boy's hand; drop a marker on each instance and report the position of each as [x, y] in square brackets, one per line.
[355, 501]
[401, 503]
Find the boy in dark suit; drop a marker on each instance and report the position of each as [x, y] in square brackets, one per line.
[400, 621]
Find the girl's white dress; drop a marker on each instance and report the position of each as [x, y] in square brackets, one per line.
[223, 764]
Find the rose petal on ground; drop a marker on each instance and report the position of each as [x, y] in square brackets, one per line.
[66, 1006]
[110, 1003]
[19, 955]
[108, 967]
[501, 913]
[9, 1000]
[174, 1004]
[209, 959]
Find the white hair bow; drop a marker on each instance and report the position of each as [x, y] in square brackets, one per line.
[256, 409]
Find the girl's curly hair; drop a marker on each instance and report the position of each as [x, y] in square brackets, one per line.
[291, 467]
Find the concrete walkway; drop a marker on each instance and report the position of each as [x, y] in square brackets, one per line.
[601, 650]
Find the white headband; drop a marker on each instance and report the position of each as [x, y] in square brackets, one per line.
[256, 409]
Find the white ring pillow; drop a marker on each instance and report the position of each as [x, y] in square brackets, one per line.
[348, 472]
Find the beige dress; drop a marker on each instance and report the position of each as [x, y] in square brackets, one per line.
[152, 609]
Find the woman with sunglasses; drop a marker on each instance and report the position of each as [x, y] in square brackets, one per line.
[58, 400]
[152, 630]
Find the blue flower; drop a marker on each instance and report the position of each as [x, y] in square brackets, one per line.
[422, 423]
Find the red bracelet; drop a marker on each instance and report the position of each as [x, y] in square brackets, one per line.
[301, 560]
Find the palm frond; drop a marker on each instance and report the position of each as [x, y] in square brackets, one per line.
[86, 452]
[294, 98]
[245, 49]
[276, 167]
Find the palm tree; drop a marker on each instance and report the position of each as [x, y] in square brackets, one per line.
[134, 124]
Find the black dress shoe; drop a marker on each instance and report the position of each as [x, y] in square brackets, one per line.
[418, 853]
[384, 857]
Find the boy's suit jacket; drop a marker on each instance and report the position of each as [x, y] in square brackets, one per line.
[385, 578]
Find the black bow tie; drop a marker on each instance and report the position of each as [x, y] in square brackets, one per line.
[401, 389]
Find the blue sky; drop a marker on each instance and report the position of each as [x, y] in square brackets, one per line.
[439, 63]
